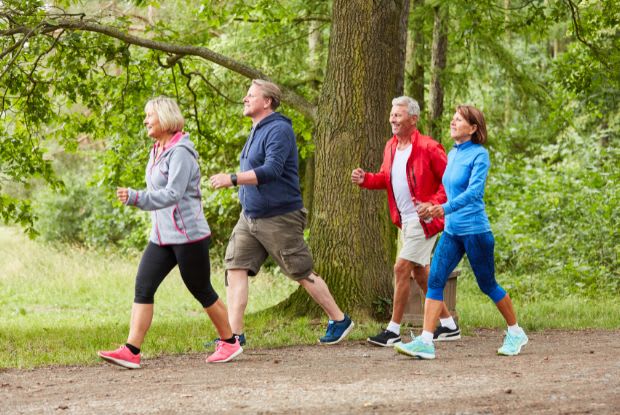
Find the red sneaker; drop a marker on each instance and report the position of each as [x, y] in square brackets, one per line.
[122, 357]
[225, 352]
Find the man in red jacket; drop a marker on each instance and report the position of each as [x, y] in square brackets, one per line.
[413, 165]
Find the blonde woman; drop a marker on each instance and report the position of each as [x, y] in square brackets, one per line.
[180, 234]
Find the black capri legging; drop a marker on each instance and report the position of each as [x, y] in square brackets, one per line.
[193, 260]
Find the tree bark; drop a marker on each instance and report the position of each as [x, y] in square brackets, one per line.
[352, 238]
[438, 64]
[315, 47]
[416, 57]
[507, 88]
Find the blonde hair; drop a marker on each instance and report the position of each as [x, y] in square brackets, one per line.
[170, 118]
[270, 91]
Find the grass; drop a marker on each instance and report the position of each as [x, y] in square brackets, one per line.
[59, 305]
[569, 312]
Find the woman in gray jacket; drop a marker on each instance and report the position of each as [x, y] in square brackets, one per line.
[180, 234]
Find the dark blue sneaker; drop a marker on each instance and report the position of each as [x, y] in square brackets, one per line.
[241, 338]
[337, 330]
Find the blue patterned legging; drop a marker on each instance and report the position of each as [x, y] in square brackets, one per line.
[449, 252]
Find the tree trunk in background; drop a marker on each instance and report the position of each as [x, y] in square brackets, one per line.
[507, 88]
[315, 46]
[414, 69]
[438, 64]
[352, 238]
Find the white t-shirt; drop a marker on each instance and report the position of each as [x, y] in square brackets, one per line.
[402, 194]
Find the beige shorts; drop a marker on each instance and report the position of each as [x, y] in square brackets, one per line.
[281, 237]
[415, 247]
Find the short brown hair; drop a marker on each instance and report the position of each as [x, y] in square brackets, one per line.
[474, 117]
[270, 90]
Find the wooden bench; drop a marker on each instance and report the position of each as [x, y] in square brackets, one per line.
[414, 310]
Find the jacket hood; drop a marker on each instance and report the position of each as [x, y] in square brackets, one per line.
[273, 117]
[184, 141]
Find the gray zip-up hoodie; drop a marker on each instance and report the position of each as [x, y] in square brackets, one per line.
[173, 194]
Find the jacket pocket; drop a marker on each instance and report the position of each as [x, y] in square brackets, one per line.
[177, 221]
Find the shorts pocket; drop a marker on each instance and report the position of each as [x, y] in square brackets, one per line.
[297, 261]
[230, 248]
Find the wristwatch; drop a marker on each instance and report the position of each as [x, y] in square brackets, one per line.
[233, 179]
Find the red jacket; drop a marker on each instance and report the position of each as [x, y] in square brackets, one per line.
[425, 169]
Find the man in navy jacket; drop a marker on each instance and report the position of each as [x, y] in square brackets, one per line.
[273, 218]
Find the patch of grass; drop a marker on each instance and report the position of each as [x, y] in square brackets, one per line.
[59, 305]
[546, 312]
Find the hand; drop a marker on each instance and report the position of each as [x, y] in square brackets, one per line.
[220, 181]
[436, 211]
[357, 176]
[423, 210]
[122, 194]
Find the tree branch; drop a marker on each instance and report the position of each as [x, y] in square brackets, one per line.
[296, 20]
[292, 98]
[574, 11]
[189, 86]
[27, 34]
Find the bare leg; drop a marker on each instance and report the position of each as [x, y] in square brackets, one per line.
[318, 290]
[219, 316]
[420, 274]
[432, 310]
[402, 288]
[505, 307]
[141, 318]
[237, 298]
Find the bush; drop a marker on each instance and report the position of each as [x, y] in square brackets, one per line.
[556, 220]
[85, 215]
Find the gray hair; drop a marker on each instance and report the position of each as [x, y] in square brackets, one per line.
[170, 118]
[413, 108]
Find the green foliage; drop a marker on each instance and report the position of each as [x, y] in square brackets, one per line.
[83, 212]
[556, 221]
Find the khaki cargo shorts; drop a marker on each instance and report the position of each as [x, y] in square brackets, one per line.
[281, 236]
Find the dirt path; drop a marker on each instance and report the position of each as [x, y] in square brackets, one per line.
[559, 372]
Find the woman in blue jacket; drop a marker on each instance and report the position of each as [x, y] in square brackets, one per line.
[467, 231]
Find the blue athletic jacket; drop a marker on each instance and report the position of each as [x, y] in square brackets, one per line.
[271, 151]
[464, 181]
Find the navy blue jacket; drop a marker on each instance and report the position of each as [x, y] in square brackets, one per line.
[271, 151]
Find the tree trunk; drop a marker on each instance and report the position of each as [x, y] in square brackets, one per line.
[352, 238]
[415, 56]
[438, 64]
[507, 88]
[315, 46]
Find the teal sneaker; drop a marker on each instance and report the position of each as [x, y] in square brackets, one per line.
[417, 348]
[512, 344]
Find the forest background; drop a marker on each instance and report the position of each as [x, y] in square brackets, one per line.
[76, 75]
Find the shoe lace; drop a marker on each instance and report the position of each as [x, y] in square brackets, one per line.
[331, 326]
[510, 340]
[218, 345]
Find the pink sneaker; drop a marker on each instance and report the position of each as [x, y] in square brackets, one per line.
[225, 352]
[122, 357]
